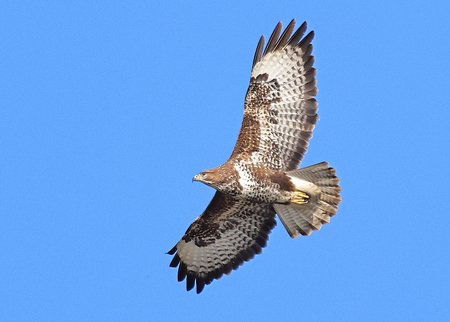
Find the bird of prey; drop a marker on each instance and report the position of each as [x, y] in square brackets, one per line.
[261, 178]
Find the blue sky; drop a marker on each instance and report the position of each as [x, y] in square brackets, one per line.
[108, 109]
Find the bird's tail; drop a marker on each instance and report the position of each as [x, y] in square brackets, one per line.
[320, 183]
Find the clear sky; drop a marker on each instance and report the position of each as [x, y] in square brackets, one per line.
[107, 110]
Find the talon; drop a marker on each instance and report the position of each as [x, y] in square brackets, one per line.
[302, 194]
[300, 198]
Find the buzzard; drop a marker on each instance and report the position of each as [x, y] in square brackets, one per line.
[261, 178]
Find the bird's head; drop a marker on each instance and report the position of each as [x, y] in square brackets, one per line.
[209, 177]
[220, 178]
[205, 176]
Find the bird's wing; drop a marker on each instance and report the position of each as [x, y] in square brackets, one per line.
[280, 109]
[228, 233]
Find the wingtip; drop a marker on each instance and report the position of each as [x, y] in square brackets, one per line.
[190, 281]
[175, 261]
[273, 38]
[297, 36]
[258, 51]
[200, 285]
[182, 269]
[172, 250]
[309, 36]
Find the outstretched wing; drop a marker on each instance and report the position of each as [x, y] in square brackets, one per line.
[228, 233]
[280, 109]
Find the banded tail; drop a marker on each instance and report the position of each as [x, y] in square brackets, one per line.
[322, 186]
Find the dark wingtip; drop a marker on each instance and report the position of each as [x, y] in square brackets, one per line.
[258, 51]
[182, 270]
[277, 42]
[172, 250]
[175, 261]
[190, 281]
[307, 40]
[273, 38]
[284, 38]
[200, 284]
[298, 34]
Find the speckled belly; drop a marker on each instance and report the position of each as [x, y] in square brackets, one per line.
[262, 185]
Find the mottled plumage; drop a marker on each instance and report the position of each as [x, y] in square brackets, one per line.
[261, 179]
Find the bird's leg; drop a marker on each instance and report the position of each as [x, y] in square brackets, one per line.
[300, 197]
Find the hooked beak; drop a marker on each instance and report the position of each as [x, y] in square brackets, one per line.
[195, 178]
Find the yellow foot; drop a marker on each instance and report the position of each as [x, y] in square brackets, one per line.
[300, 198]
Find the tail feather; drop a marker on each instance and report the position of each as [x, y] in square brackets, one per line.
[321, 206]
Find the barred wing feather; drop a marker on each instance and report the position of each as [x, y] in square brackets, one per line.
[227, 234]
[280, 110]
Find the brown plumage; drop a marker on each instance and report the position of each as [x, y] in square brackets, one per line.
[261, 177]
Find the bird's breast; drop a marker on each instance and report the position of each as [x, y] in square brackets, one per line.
[260, 184]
